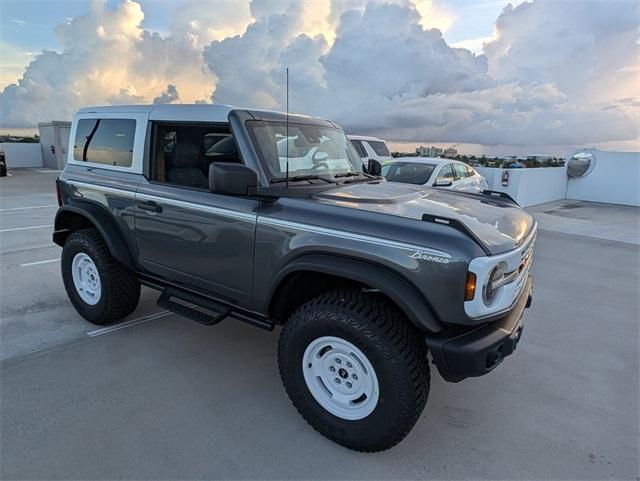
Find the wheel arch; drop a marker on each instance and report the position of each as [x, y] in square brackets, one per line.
[70, 218]
[336, 272]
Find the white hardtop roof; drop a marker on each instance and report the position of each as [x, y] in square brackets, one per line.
[193, 112]
[364, 137]
[183, 112]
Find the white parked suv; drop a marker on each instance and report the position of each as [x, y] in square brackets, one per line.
[435, 172]
[370, 148]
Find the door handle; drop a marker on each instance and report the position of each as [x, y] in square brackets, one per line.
[150, 206]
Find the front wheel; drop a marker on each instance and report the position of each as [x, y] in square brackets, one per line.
[355, 369]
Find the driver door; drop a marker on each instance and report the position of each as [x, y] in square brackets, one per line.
[186, 234]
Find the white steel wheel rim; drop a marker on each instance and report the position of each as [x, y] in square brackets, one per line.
[86, 278]
[340, 378]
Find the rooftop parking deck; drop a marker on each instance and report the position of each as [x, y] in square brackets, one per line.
[161, 397]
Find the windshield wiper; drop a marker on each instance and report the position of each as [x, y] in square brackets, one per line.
[356, 174]
[299, 178]
[348, 174]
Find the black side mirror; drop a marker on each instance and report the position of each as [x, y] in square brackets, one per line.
[229, 178]
[374, 167]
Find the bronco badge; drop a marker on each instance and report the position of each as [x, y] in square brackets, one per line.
[425, 256]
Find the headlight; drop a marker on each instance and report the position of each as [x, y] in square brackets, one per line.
[492, 285]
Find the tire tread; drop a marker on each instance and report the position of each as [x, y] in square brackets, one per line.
[372, 315]
[120, 286]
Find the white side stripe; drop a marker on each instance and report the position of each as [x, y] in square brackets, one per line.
[201, 207]
[102, 188]
[268, 220]
[350, 235]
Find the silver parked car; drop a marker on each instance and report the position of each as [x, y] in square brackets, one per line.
[435, 172]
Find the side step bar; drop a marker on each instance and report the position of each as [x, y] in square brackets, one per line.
[193, 307]
[218, 312]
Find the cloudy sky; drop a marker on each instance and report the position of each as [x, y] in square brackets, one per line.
[544, 76]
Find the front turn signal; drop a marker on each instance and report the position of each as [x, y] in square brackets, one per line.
[470, 287]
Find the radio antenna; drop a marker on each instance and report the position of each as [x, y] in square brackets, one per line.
[287, 130]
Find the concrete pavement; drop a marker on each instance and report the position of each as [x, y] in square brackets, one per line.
[171, 399]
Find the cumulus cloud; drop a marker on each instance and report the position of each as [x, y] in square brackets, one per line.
[586, 48]
[554, 73]
[381, 54]
[386, 74]
[107, 57]
[168, 96]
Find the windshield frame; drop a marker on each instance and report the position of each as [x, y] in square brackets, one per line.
[353, 159]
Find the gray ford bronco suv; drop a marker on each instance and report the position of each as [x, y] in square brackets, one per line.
[268, 218]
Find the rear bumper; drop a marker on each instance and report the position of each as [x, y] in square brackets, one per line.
[478, 351]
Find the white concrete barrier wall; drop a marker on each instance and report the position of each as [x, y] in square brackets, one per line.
[529, 186]
[614, 179]
[22, 155]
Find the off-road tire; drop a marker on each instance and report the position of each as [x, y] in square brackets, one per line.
[120, 290]
[393, 346]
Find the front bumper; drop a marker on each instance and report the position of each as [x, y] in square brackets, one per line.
[478, 351]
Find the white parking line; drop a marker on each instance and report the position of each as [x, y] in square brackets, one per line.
[32, 207]
[26, 228]
[124, 325]
[39, 262]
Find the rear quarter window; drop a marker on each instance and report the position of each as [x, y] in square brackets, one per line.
[470, 171]
[105, 141]
[461, 171]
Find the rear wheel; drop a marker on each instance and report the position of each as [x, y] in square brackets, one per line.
[355, 369]
[101, 289]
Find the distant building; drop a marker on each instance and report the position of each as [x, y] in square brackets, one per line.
[428, 151]
[450, 152]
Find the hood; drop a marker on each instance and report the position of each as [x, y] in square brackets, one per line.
[498, 225]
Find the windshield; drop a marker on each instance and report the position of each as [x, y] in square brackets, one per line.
[312, 149]
[409, 172]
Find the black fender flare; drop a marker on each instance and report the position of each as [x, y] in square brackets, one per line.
[404, 293]
[97, 216]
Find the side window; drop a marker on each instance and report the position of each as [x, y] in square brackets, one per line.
[359, 148]
[105, 141]
[461, 171]
[181, 153]
[380, 148]
[446, 172]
